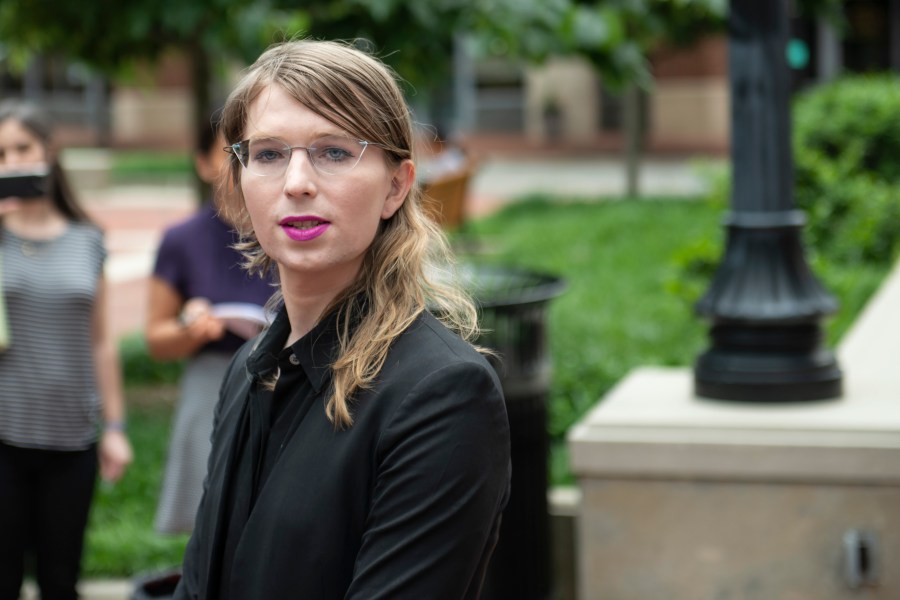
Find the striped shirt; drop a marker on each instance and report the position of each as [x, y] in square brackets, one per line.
[48, 387]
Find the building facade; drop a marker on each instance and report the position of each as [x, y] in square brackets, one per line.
[561, 103]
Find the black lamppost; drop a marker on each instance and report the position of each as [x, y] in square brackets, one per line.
[764, 304]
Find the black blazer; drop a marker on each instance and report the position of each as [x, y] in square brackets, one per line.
[406, 503]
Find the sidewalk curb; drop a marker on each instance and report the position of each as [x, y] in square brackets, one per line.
[91, 589]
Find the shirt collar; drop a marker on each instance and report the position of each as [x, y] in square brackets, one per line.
[315, 351]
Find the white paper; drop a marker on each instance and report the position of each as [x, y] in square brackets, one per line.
[242, 318]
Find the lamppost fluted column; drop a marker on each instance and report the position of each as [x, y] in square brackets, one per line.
[764, 304]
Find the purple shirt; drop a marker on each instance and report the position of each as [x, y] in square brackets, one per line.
[195, 257]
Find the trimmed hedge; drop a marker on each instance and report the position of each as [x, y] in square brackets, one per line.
[847, 167]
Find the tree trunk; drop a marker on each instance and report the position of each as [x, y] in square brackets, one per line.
[631, 117]
[201, 84]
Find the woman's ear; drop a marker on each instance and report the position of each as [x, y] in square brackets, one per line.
[206, 168]
[210, 163]
[402, 181]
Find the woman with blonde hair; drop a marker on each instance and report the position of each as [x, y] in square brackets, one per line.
[361, 445]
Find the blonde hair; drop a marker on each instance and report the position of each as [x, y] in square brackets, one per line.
[408, 268]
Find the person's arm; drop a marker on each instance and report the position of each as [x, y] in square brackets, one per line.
[442, 481]
[115, 449]
[175, 328]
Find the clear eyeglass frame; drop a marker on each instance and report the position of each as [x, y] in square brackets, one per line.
[332, 155]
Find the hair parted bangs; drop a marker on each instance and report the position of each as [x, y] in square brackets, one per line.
[405, 270]
[346, 86]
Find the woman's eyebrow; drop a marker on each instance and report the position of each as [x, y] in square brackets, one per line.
[315, 135]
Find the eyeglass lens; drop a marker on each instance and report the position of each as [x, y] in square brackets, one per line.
[270, 156]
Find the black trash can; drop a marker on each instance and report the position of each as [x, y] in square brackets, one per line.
[513, 305]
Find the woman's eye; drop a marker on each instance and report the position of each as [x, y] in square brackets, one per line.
[333, 153]
[267, 155]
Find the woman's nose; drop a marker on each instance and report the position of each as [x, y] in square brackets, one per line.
[300, 176]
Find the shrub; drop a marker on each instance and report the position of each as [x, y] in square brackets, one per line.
[846, 141]
[847, 170]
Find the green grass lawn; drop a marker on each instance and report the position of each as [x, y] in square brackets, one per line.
[617, 313]
[121, 540]
[152, 167]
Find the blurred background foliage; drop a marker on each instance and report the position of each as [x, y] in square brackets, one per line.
[846, 139]
[416, 38]
[846, 149]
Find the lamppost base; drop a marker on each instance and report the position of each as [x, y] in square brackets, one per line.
[768, 364]
[766, 392]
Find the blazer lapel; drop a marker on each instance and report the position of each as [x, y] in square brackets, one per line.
[234, 420]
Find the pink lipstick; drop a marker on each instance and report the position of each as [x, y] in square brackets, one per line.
[304, 228]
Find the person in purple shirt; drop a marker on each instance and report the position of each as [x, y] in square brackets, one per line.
[197, 272]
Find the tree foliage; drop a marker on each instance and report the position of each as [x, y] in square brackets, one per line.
[110, 35]
[414, 37]
[616, 36]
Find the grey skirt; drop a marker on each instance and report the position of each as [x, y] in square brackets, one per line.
[190, 443]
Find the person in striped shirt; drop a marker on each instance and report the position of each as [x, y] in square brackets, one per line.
[61, 403]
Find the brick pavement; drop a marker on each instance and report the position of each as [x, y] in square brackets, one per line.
[132, 235]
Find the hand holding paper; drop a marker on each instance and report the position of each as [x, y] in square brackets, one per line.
[242, 318]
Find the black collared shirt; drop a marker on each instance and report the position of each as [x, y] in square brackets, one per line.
[404, 504]
[299, 372]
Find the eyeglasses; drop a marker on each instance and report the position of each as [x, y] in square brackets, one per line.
[269, 157]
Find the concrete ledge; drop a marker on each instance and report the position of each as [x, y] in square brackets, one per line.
[686, 498]
[870, 351]
[91, 589]
[564, 504]
[651, 425]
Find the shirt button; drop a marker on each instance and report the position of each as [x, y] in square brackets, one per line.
[294, 360]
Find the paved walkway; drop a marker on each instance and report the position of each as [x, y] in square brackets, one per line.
[134, 218]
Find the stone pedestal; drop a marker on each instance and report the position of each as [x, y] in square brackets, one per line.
[685, 498]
